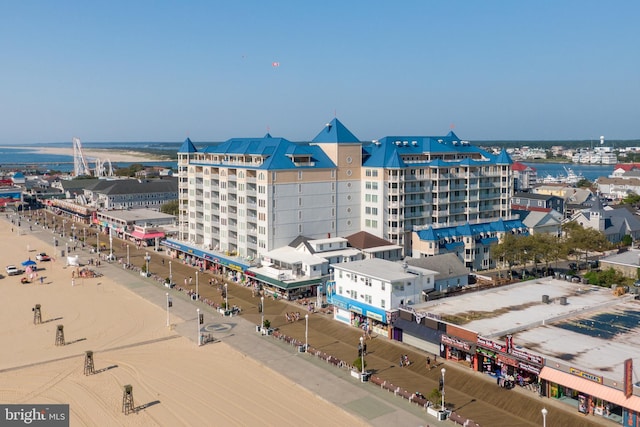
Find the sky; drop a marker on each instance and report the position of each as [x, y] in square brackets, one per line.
[213, 70]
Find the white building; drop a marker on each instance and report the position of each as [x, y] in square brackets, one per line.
[372, 290]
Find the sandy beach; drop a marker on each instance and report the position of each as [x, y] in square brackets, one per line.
[103, 154]
[175, 382]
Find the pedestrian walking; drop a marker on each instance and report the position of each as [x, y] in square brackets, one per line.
[41, 280]
[73, 282]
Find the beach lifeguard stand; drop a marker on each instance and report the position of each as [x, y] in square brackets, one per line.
[37, 315]
[88, 363]
[60, 335]
[127, 399]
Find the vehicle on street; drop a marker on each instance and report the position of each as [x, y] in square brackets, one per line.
[12, 270]
[43, 257]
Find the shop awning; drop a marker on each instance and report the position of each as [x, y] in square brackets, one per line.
[152, 235]
[589, 387]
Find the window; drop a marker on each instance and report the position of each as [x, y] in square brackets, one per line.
[382, 286]
[382, 303]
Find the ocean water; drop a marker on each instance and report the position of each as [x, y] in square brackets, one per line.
[27, 156]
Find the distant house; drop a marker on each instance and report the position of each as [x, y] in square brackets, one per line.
[614, 223]
[375, 247]
[618, 188]
[450, 271]
[537, 202]
[542, 222]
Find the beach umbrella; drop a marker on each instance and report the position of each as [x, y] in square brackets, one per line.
[28, 263]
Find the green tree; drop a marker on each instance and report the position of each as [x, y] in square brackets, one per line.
[581, 240]
[171, 208]
[584, 183]
[631, 199]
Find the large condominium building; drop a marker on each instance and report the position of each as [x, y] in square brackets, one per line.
[249, 196]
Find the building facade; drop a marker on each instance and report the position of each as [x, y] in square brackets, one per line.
[244, 197]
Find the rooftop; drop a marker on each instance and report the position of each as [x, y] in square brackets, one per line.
[594, 330]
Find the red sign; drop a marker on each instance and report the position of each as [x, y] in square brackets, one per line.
[455, 342]
[527, 356]
[628, 378]
[491, 345]
[507, 361]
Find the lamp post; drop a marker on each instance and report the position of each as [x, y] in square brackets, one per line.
[84, 236]
[98, 243]
[73, 232]
[362, 355]
[544, 417]
[226, 298]
[198, 325]
[64, 223]
[111, 245]
[128, 255]
[170, 274]
[66, 253]
[306, 332]
[197, 293]
[167, 294]
[443, 370]
[262, 312]
[147, 258]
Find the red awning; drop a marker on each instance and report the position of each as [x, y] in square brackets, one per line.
[145, 236]
[589, 387]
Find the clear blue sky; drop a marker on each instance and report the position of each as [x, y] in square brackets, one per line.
[163, 70]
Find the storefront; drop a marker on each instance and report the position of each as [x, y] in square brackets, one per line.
[368, 318]
[207, 260]
[591, 394]
[505, 361]
[457, 350]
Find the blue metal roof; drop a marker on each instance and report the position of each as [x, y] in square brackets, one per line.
[279, 152]
[466, 229]
[388, 151]
[187, 147]
[335, 131]
[503, 158]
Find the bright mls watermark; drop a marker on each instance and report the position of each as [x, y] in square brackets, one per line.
[36, 415]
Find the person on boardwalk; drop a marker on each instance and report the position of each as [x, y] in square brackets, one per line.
[429, 362]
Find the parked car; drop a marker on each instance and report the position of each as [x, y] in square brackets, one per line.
[43, 257]
[12, 270]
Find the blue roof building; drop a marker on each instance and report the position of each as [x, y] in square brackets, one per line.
[248, 196]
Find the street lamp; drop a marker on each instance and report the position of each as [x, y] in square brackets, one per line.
[443, 370]
[128, 255]
[167, 294]
[64, 223]
[544, 417]
[98, 243]
[361, 354]
[198, 325]
[170, 275]
[226, 298]
[73, 232]
[197, 293]
[306, 332]
[84, 236]
[262, 312]
[147, 258]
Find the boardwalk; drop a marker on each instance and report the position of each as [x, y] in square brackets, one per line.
[473, 395]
